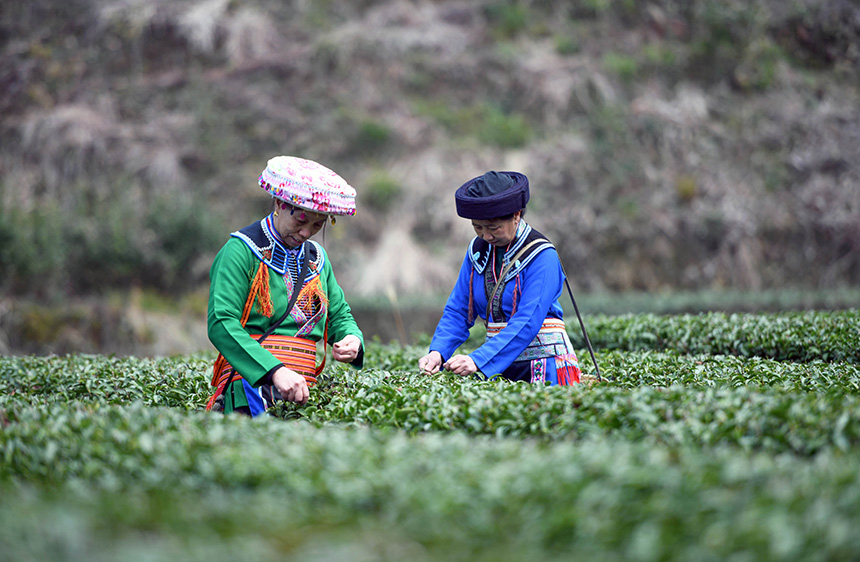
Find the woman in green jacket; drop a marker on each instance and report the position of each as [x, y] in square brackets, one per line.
[267, 352]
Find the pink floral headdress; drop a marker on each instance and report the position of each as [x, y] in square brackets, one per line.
[309, 185]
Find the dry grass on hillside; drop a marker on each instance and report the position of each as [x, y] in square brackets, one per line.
[669, 145]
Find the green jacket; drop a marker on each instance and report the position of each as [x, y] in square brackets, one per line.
[230, 277]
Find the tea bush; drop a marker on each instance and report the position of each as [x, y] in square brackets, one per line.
[83, 482]
[703, 442]
[749, 417]
[789, 336]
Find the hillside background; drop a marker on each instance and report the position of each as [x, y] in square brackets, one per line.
[671, 146]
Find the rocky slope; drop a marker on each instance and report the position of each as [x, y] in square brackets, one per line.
[669, 145]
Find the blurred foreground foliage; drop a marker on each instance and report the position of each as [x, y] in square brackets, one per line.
[165, 485]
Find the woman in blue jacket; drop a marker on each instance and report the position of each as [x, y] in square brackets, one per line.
[511, 278]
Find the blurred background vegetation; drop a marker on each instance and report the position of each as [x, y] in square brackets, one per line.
[681, 154]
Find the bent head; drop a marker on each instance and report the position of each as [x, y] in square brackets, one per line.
[495, 203]
[306, 194]
[500, 231]
[296, 225]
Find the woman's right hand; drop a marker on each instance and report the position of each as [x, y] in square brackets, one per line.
[291, 385]
[430, 363]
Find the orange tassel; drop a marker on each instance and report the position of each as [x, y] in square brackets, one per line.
[219, 366]
[311, 291]
[215, 396]
[567, 370]
[259, 286]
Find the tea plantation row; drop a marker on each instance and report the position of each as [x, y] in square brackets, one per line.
[140, 483]
[790, 336]
[715, 437]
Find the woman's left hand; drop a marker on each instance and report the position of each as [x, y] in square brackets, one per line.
[346, 350]
[462, 365]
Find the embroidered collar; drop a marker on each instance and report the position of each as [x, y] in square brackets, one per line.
[264, 241]
[481, 254]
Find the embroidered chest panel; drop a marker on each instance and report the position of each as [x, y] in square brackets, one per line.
[264, 242]
[487, 261]
[312, 303]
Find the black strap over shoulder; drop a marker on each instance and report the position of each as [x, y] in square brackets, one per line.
[581, 325]
[293, 298]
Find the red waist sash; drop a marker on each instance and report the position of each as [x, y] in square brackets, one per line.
[297, 354]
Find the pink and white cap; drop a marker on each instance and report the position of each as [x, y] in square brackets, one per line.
[309, 185]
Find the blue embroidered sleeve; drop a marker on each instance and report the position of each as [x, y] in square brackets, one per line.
[542, 284]
[453, 328]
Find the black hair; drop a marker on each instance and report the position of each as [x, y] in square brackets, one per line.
[509, 217]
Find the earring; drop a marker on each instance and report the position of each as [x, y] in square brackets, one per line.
[332, 220]
[275, 213]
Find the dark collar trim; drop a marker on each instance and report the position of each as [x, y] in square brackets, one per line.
[480, 252]
[263, 241]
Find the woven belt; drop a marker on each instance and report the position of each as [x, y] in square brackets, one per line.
[297, 354]
[551, 340]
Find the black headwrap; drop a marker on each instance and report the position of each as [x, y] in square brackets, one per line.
[493, 195]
